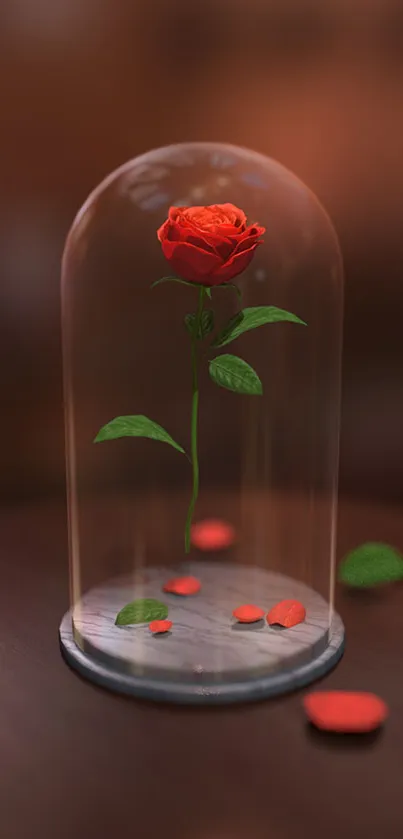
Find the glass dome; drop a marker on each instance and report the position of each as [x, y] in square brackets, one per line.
[202, 427]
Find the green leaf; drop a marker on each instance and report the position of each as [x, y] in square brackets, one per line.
[142, 611]
[135, 426]
[252, 318]
[233, 324]
[371, 564]
[171, 280]
[206, 326]
[183, 282]
[235, 374]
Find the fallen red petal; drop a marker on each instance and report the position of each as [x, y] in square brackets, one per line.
[248, 613]
[212, 535]
[287, 613]
[183, 586]
[346, 712]
[160, 626]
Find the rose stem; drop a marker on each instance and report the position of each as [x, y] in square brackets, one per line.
[194, 419]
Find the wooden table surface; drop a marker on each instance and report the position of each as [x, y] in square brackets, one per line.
[77, 761]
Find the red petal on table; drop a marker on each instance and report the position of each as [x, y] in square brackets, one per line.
[346, 712]
[248, 614]
[183, 586]
[160, 626]
[212, 535]
[287, 613]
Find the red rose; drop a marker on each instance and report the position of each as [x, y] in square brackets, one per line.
[208, 245]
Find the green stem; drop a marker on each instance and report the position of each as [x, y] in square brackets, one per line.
[194, 421]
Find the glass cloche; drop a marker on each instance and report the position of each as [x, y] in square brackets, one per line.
[202, 326]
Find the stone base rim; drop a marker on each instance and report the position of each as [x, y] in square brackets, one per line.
[247, 690]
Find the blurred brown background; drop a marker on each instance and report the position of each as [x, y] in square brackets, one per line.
[87, 84]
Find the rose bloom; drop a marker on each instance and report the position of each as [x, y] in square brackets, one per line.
[208, 245]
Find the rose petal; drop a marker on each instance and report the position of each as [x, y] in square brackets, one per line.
[287, 613]
[198, 218]
[225, 249]
[232, 211]
[173, 232]
[205, 241]
[248, 614]
[234, 266]
[245, 245]
[183, 586]
[250, 237]
[182, 222]
[162, 231]
[157, 627]
[227, 230]
[181, 229]
[212, 535]
[211, 218]
[190, 262]
[175, 212]
[345, 711]
[255, 230]
[191, 238]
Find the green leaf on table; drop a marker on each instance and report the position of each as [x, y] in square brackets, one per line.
[371, 564]
[135, 426]
[251, 318]
[206, 325]
[235, 374]
[142, 611]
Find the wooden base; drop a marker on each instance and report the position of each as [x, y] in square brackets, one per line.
[207, 657]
